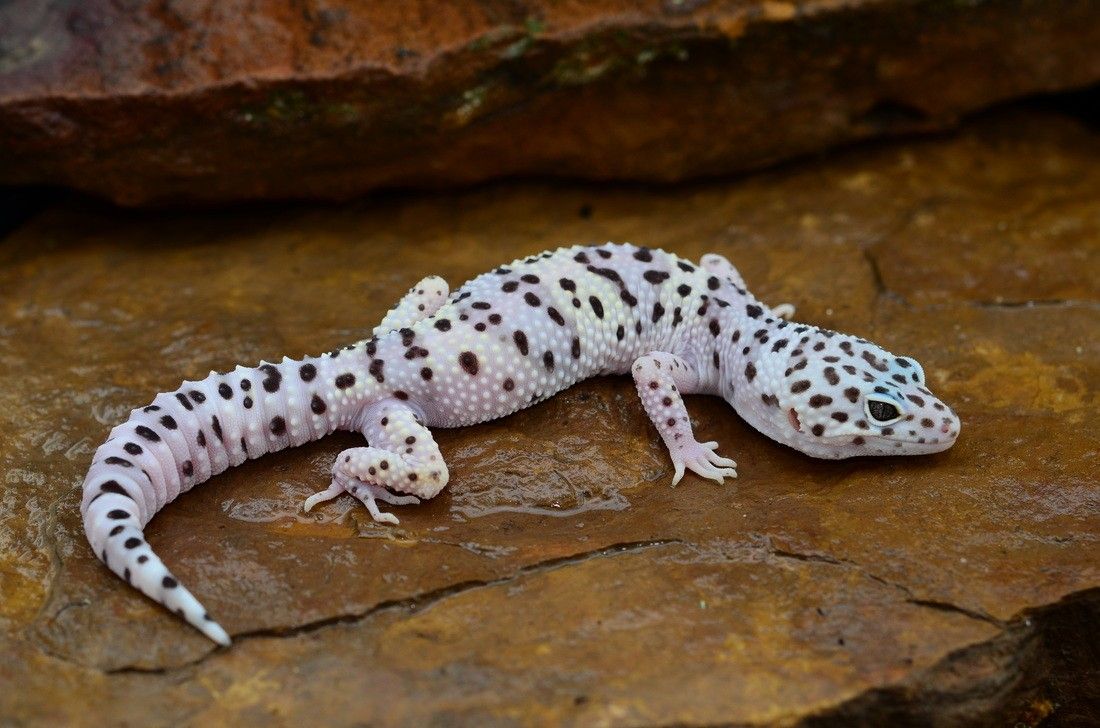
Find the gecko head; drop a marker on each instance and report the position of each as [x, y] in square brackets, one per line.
[843, 397]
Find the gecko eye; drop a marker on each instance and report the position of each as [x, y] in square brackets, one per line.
[881, 411]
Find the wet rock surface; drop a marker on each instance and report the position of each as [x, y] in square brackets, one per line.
[150, 102]
[559, 579]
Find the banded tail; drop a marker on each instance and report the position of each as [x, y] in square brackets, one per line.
[185, 437]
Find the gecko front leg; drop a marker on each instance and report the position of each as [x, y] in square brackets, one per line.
[401, 465]
[660, 378]
[422, 301]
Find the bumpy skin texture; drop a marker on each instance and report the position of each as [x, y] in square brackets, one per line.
[504, 341]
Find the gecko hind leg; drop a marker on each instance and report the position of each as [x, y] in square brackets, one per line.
[402, 457]
[423, 300]
[661, 378]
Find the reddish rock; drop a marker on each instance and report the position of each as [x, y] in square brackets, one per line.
[215, 100]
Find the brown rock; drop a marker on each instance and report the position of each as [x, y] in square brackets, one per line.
[215, 100]
[559, 579]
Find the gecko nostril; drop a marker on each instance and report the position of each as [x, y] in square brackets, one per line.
[793, 417]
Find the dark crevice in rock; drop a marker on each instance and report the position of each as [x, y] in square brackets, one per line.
[955, 609]
[410, 604]
[910, 597]
[885, 116]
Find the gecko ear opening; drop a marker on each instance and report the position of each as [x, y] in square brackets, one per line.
[793, 417]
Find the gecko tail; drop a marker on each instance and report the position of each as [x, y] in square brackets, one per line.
[114, 530]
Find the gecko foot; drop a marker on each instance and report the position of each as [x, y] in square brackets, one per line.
[367, 493]
[701, 459]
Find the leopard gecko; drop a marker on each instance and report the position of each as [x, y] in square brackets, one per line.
[502, 342]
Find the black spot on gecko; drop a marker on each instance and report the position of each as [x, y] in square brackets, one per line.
[644, 255]
[112, 486]
[278, 425]
[820, 400]
[201, 438]
[469, 362]
[246, 385]
[620, 332]
[375, 369]
[169, 583]
[597, 306]
[273, 379]
[168, 422]
[686, 267]
[608, 273]
[148, 434]
[133, 448]
[132, 543]
[509, 286]
[443, 325]
[800, 386]
[214, 423]
[548, 360]
[831, 376]
[495, 319]
[656, 277]
[628, 298]
[118, 515]
[753, 311]
[750, 371]
[581, 258]
[531, 299]
[188, 468]
[481, 305]
[568, 285]
[555, 316]
[521, 341]
[307, 372]
[529, 278]
[852, 394]
[184, 401]
[575, 348]
[509, 385]
[225, 391]
[426, 374]
[713, 283]
[317, 405]
[818, 430]
[840, 416]
[347, 379]
[197, 396]
[715, 327]
[658, 312]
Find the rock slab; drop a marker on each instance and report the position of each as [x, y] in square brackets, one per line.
[559, 579]
[155, 102]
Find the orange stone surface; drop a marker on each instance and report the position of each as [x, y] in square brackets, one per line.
[559, 579]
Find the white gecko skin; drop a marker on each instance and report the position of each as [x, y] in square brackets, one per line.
[504, 341]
